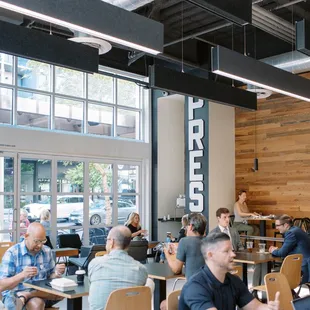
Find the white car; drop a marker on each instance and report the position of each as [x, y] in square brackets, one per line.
[65, 206]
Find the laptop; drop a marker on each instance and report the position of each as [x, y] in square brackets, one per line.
[301, 303]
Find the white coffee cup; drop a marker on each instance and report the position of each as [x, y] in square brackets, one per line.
[262, 247]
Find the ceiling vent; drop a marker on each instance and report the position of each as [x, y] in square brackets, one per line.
[102, 45]
[260, 92]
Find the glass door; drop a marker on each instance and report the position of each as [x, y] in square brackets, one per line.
[8, 190]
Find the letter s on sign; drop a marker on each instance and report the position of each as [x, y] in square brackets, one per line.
[198, 207]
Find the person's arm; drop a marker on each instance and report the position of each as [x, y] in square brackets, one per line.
[245, 213]
[141, 231]
[175, 264]
[8, 277]
[289, 244]
[54, 271]
[256, 305]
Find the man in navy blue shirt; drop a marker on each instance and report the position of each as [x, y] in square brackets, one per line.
[213, 287]
[296, 241]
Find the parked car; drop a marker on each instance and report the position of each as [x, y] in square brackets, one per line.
[97, 213]
[65, 206]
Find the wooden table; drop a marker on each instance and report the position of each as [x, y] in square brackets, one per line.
[253, 258]
[74, 297]
[66, 252]
[262, 224]
[160, 273]
[152, 244]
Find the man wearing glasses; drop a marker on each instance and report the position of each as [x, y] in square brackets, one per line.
[28, 261]
[296, 241]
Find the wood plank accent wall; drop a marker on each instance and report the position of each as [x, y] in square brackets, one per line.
[282, 183]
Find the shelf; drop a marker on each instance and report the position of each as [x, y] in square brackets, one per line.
[172, 219]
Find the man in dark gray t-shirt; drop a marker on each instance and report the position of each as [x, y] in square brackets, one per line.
[189, 252]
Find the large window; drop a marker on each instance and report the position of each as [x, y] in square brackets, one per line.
[40, 95]
[67, 195]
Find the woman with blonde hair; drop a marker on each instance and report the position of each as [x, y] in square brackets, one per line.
[45, 220]
[133, 223]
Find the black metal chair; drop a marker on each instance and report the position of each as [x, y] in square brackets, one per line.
[69, 241]
[82, 262]
[138, 250]
[49, 243]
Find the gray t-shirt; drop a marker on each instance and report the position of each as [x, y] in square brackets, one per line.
[189, 252]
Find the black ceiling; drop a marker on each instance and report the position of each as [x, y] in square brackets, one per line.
[191, 31]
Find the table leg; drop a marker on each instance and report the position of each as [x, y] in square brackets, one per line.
[74, 304]
[159, 292]
[262, 229]
[245, 273]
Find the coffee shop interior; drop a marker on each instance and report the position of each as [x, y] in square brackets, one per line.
[162, 108]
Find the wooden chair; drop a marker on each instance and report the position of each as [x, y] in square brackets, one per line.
[3, 248]
[291, 268]
[237, 271]
[100, 253]
[277, 282]
[173, 300]
[130, 298]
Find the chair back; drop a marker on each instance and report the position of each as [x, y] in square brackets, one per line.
[277, 282]
[101, 253]
[138, 250]
[237, 271]
[291, 268]
[4, 246]
[173, 300]
[70, 241]
[92, 254]
[49, 243]
[130, 298]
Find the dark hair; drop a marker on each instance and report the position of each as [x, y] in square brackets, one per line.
[211, 240]
[198, 222]
[285, 219]
[241, 192]
[221, 211]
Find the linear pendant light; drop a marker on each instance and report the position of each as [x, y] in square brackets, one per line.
[236, 66]
[95, 18]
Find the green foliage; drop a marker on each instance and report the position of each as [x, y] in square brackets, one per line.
[76, 176]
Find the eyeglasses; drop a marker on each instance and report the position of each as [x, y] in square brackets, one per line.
[278, 225]
[37, 241]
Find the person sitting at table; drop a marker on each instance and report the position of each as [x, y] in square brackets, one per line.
[214, 287]
[296, 241]
[133, 223]
[188, 252]
[28, 261]
[182, 232]
[242, 212]
[223, 217]
[114, 270]
[45, 220]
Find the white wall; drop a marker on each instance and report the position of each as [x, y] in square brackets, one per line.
[221, 159]
[23, 140]
[171, 160]
[38, 141]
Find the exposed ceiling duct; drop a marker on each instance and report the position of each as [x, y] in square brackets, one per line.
[128, 5]
[273, 24]
[294, 62]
